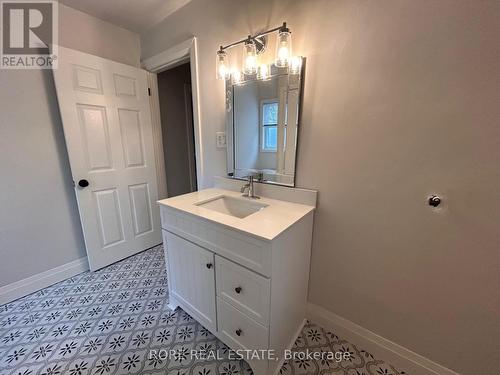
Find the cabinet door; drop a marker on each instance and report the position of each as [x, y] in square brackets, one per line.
[192, 279]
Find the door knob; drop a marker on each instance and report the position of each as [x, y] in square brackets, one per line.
[434, 201]
[238, 289]
[239, 332]
[83, 183]
[209, 265]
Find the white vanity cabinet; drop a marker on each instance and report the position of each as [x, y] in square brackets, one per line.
[249, 291]
[193, 280]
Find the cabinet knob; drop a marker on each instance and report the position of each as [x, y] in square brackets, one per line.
[239, 332]
[209, 265]
[238, 289]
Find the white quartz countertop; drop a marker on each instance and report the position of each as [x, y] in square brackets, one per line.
[267, 223]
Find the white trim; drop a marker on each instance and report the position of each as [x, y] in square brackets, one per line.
[404, 359]
[170, 58]
[42, 280]
[154, 103]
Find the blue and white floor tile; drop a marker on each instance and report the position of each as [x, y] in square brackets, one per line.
[107, 322]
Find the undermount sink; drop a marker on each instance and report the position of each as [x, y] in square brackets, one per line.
[237, 207]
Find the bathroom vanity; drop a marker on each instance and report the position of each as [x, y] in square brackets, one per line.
[240, 266]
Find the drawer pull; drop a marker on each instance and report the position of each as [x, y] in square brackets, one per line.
[237, 289]
[239, 332]
[209, 265]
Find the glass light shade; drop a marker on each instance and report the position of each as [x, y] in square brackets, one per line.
[283, 49]
[250, 56]
[263, 72]
[237, 77]
[222, 65]
[295, 65]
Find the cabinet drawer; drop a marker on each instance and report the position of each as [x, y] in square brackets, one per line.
[239, 331]
[243, 289]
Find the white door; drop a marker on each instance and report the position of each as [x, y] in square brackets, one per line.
[192, 279]
[107, 125]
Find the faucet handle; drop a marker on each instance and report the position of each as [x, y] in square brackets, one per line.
[245, 187]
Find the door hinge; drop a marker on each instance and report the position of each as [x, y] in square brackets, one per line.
[149, 91]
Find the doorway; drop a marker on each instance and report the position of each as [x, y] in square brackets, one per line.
[177, 128]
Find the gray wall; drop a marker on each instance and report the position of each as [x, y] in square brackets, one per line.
[39, 223]
[401, 100]
[85, 33]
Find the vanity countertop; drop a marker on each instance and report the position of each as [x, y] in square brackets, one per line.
[267, 223]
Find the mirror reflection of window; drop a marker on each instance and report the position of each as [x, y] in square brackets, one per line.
[269, 125]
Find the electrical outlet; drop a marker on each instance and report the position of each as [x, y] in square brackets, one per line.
[221, 139]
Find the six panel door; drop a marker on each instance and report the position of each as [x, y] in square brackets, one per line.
[107, 125]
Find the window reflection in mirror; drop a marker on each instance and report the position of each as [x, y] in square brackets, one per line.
[269, 125]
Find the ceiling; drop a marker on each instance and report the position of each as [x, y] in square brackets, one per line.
[134, 15]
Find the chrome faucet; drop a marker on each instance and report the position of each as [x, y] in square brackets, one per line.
[251, 190]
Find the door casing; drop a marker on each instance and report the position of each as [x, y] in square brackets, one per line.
[170, 58]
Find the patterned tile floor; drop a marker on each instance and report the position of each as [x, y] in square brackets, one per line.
[107, 322]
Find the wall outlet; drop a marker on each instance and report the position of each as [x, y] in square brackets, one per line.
[221, 139]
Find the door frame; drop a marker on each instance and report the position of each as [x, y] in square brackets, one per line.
[170, 58]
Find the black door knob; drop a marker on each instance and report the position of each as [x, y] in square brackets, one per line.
[239, 332]
[209, 265]
[238, 289]
[83, 183]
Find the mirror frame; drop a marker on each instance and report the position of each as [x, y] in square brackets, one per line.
[295, 81]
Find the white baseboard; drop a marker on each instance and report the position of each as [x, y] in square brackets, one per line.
[42, 280]
[402, 358]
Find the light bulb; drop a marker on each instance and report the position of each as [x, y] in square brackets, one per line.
[263, 72]
[283, 47]
[295, 64]
[283, 55]
[237, 77]
[250, 55]
[222, 65]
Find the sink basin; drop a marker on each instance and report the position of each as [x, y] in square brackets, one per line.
[237, 207]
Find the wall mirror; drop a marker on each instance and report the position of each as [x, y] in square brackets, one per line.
[262, 120]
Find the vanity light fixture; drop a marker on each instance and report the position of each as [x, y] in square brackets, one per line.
[250, 53]
[283, 47]
[253, 46]
[223, 71]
